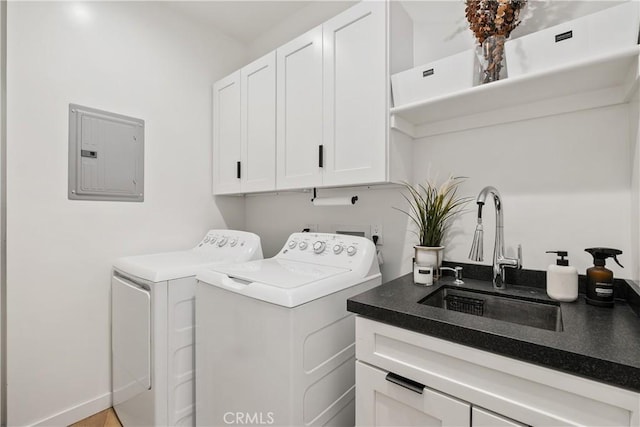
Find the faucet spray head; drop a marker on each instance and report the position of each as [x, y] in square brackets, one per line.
[475, 254]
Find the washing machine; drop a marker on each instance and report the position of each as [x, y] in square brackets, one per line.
[152, 333]
[274, 341]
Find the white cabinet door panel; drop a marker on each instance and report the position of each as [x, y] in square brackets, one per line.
[380, 402]
[226, 134]
[355, 95]
[258, 129]
[299, 105]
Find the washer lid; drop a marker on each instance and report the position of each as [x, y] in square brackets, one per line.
[170, 265]
[280, 273]
[283, 282]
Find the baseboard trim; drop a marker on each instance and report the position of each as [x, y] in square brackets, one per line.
[77, 413]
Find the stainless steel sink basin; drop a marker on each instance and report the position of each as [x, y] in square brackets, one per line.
[538, 314]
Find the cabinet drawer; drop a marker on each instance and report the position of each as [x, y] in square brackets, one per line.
[522, 391]
[381, 402]
[483, 418]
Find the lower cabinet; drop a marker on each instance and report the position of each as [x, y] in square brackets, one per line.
[404, 378]
[386, 399]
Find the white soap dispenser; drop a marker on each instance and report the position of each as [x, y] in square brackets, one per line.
[562, 279]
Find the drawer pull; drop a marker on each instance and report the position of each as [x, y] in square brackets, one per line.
[405, 382]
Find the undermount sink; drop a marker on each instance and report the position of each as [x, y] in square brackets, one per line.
[538, 314]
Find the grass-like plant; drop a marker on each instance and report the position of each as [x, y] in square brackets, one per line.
[432, 208]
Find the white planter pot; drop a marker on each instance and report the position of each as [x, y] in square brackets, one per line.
[429, 256]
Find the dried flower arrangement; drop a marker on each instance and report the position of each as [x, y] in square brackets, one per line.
[492, 21]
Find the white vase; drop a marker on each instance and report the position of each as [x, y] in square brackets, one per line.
[430, 256]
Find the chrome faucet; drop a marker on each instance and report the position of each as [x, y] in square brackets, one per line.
[499, 260]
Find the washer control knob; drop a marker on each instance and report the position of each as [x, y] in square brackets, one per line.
[351, 250]
[212, 240]
[337, 249]
[292, 244]
[222, 242]
[318, 247]
[206, 239]
[233, 242]
[303, 245]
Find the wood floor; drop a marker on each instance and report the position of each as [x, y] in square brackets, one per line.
[106, 418]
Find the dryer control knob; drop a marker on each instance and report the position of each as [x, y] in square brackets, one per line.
[292, 244]
[212, 240]
[337, 249]
[351, 250]
[206, 239]
[303, 245]
[233, 242]
[318, 247]
[222, 242]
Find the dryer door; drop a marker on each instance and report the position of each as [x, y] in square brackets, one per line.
[130, 338]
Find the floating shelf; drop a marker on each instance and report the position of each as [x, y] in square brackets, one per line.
[595, 82]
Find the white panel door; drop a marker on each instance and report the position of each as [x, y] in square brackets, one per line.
[483, 418]
[355, 95]
[131, 339]
[380, 402]
[299, 100]
[226, 135]
[258, 124]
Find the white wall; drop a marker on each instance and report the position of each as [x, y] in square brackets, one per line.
[565, 182]
[139, 59]
[634, 123]
[3, 210]
[275, 217]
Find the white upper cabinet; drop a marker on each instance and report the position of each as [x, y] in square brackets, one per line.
[299, 106]
[355, 95]
[244, 129]
[258, 121]
[226, 135]
[325, 122]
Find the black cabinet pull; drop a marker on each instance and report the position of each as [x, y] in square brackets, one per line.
[320, 156]
[238, 170]
[405, 382]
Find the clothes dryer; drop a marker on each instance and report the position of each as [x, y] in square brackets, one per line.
[153, 327]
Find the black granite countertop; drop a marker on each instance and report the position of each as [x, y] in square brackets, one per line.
[597, 343]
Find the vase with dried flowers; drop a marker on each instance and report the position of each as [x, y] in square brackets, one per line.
[492, 21]
[431, 209]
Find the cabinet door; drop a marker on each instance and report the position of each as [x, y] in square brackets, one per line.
[226, 134]
[483, 418]
[258, 124]
[355, 95]
[299, 103]
[381, 402]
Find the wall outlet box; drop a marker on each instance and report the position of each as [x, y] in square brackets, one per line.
[376, 230]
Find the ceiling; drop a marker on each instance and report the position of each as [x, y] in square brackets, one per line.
[242, 20]
[247, 20]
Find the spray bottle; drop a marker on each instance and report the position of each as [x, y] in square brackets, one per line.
[600, 278]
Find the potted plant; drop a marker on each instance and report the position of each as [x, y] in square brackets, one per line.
[431, 209]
